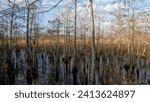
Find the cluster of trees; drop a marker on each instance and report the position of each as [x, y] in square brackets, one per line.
[90, 53]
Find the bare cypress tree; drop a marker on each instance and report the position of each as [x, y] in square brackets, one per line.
[93, 42]
[68, 26]
[30, 70]
[75, 30]
[12, 21]
[75, 69]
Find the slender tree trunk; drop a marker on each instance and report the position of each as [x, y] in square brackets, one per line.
[75, 69]
[27, 28]
[75, 32]
[11, 25]
[133, 31]
[93, 42]
[29, 71]
[67, 27]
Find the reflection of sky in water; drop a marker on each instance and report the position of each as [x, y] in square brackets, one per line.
[143, 75]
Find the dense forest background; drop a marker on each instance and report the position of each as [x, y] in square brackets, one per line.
[74, 42]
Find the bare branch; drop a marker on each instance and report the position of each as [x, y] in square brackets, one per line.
[9, 1]
[49, 9]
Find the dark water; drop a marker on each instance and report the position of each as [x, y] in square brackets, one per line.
[46, 66]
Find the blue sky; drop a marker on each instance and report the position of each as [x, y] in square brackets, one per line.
[99, 5]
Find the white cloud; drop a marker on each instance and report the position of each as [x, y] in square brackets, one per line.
[109, 7]
[99, 1]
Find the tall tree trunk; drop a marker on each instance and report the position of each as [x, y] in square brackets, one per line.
[27, 28]
[93, 42]
[75, 69]
[29, 72]
[11, 25]
[75, 32]
[133, 30]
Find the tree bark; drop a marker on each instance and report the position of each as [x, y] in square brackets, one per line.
[93, 42]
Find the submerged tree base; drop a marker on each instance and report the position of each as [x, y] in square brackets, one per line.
[53, 66]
